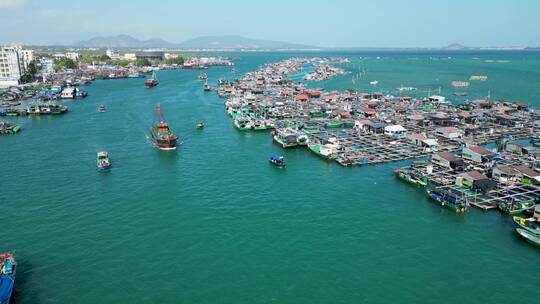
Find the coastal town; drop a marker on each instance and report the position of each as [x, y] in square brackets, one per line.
[35, 84]
[444, 140]
[269, 152]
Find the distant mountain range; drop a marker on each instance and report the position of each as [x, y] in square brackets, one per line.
[208, 42]
[239, 42]
[457, 46]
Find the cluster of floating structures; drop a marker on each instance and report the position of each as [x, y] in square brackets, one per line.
[323, 72]
[354, 129]
[206, 62]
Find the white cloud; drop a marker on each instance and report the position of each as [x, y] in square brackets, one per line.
[11, 3]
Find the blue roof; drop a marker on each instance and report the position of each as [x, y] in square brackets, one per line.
[275, 157]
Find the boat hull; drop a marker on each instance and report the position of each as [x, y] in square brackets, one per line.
[165, 145]
[7, 281]
[529, 237]
[521, 222]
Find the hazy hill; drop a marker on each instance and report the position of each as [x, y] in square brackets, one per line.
[208, 42]
[124, 41]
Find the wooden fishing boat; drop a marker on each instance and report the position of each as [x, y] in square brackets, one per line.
[530, 224]
[448, 199]
[406, 175]
[162, 136]
[515, 208]
[529, 237]
[277, 160]
[152, 81]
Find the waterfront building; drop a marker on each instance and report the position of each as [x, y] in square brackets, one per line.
[47, 65]
[25, 57]
[170, 56]
[72, 55]
[114, 55]
[10, 70]
[130, 56]
[150, 55]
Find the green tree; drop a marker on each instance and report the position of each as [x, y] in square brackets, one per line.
[32, 68]
[178, 60]
[103, 58]
[87, 59]
[143, 62]
[31, 72]
[64, 63]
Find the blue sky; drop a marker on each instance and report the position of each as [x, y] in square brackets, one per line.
[336, 23]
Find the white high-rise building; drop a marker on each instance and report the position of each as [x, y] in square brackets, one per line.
[10, 69]
[25, 57]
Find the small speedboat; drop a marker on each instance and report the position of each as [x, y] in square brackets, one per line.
[200, 125]
[103, 163]
[207, 87]
[277, 160]
[102, 109]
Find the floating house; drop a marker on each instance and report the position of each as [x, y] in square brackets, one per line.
[468, 179]
[448, 160]
[422, 141]
[513, 174]
[395, 131]
[449, 132]
[476, 154]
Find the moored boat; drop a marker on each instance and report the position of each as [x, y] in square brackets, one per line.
[514, 208]
[405, 174]
[529, 224]
[58, 109]
[163, 137]
[529, 237]
[102, 109]
[200, 125]
[448, 199]
[242, 124]
[103, 163]
[8, 268]
[259, 125]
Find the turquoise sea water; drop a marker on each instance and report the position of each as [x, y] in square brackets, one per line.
[213, 222]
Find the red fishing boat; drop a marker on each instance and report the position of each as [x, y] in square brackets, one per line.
[162, 136]
[151, 82]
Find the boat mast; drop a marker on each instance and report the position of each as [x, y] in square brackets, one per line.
[158, 116]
